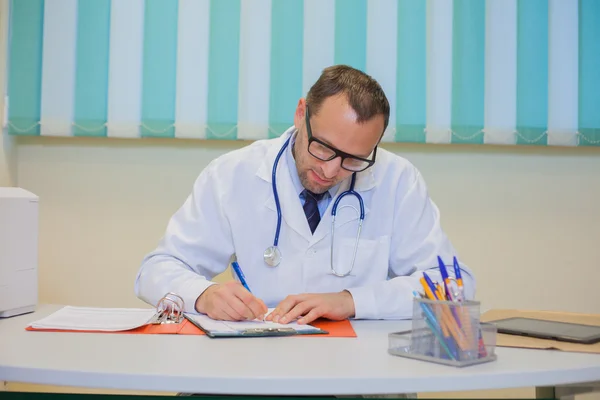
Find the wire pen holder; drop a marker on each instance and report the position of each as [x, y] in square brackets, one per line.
[446, 332]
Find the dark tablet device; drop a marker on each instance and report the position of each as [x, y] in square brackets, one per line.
[544, 329]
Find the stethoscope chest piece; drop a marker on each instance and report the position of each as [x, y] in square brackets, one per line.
[272, 256]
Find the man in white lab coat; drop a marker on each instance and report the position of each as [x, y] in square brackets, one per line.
[233, 211]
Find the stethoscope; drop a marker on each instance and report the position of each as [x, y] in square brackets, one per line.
[272, 254]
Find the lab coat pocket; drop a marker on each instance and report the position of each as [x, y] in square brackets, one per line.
[364, 260]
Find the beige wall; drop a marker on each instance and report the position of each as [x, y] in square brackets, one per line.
[8, 164]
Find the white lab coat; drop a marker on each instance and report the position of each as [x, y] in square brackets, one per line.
[232, 210]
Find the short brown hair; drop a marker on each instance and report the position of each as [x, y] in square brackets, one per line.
[365, 95]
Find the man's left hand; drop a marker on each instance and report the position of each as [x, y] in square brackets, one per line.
[308, 307]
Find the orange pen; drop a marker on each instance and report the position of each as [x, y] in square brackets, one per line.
[431, 296]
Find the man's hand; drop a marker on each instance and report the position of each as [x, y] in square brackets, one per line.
[230, 302]
[308, 307]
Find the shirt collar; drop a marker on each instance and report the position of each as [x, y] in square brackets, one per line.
[294, 171]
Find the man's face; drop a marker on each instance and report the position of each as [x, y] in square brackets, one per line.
[335, 124]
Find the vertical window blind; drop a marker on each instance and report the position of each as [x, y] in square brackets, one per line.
[455, 71]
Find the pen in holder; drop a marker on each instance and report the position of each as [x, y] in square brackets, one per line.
[446, 332]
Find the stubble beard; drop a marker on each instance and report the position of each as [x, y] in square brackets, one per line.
[303, 174]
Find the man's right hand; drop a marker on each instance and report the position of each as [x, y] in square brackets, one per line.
[230, 302]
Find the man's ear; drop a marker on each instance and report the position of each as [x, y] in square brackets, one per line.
[299, 114]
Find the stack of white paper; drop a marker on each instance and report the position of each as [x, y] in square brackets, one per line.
[95, 319]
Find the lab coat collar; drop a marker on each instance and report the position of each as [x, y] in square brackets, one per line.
[291, 207]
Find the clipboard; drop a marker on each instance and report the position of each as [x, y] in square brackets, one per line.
[239, 329]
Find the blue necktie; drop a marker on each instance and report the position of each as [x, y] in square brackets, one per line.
[311, 208]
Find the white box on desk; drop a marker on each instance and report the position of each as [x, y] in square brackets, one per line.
[19, 210]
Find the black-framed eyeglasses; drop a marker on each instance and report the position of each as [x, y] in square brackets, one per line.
[324, 152]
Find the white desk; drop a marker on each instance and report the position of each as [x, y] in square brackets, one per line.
[264, 366]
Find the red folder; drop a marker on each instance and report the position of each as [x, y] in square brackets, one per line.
[334, 328]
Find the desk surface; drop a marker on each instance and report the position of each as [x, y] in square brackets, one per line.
[278, 366]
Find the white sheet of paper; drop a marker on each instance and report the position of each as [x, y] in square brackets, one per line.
[235, 326]
[95, 319]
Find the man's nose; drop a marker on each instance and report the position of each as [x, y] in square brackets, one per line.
[332, 167]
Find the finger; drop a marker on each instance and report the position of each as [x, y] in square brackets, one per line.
[311, 316]
[231, 305]
[299, 309]
[263, 305]
[284, 307]
[276, 313]
[235, 306]
[257, 307]
[231, 314]
[241, 308]
[218, 312]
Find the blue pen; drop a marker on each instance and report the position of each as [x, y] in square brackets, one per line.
[428, 313]
[459, 280]
[449, 295]
[434, 326]
[445, 278]
[240, 275]
[454, 314]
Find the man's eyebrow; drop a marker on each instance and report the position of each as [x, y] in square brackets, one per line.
[324, 141]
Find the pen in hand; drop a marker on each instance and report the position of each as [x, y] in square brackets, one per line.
[240, 275]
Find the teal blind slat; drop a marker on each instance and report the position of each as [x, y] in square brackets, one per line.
[287, 32]
[159, 68]
[411, 72]
[532, 71]
[351, 33]
[468, 67]
[91, 81]
[25, 66]
[223, 69]
[589, 72]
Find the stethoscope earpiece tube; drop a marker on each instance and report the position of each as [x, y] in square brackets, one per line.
[272, 254]
[275, 194]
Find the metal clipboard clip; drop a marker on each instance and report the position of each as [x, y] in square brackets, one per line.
[264, 331]
[169, 310]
